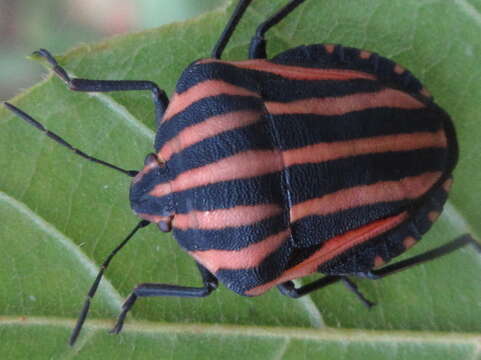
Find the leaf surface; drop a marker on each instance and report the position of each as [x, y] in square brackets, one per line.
[62, 215]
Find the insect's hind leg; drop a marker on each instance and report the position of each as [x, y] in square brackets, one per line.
[290, 290]
[154, 290]
[257, 48]
[427, 256]
[159, 96]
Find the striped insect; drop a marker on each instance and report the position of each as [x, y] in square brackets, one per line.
[323, 159]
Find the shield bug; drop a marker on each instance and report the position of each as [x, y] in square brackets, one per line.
[324, 159]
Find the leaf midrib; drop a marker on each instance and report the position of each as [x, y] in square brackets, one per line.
[291, 333]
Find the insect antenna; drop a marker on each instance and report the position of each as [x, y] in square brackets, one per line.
[95, 285]
[62, 142]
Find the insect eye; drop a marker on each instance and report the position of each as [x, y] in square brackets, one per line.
[150, 158]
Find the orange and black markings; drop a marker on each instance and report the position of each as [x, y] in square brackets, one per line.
[323, 159]
[299, 161]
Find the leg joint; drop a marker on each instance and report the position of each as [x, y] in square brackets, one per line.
[288, 289]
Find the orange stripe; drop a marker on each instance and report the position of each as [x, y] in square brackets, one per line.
[207, 88]
[222, 218]
[243, 165]
[329, 48]
[208, 128]
[260, 162]
[155, 218]
[425, 92]
[249, 257]
[398, 69]
[295, 72]
[365, 54]
[161, 189]
[147, 168]
[345, 104]
[331, 249]
[447, 184]
[379, 144]
[383, 191]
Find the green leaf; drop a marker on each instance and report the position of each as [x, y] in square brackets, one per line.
[61, 215]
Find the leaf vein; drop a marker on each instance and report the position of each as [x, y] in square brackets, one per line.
[469, 10]
[114, 297]
[291, 333]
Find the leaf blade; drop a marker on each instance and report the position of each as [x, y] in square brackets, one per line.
[119, 128]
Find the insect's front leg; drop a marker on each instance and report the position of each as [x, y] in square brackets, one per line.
[159, 96]
[155, 290]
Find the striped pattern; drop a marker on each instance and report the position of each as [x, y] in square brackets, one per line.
[330, 249]
[276, 169]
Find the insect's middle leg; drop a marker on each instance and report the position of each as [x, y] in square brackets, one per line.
[288, 288]
[159, 96]
[151, 290]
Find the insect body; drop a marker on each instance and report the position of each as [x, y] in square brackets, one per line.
[322, 159]
[271, 170]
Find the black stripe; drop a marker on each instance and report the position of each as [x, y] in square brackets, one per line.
[316, 229]
[435, 202]
[160, 206]
[229, 238]
[356, 259]
[264, 189]
[141, 202]
[146, 183]
[272, 267]
[255, 80]
[316, 180]
[242, 280]
[288, 256]
[286, 90]
[218, 147]
[360, 258]
[298, 130]
[309, 181]
[274, 87]
[203, 109]
[389, 245]
[347, 58]
[197, 73]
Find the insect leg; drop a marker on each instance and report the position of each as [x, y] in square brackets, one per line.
[288, 288]
[433, 254]
[159, 97]
[151, 290]
[229, 29]
[257, 48]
